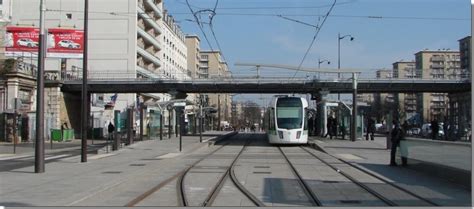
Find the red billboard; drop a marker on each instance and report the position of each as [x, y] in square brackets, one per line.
[61, 43]
[65, 43]
[20, 40]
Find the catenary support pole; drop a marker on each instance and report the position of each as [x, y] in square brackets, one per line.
[39, 145]
[84, 107]
[354, 107]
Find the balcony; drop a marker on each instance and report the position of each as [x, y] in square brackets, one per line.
[146, 73]
[437, 59]
[149, 20]
[155, 8]
[149, 56]
[437, 66]
[410, 102]
[146, 36]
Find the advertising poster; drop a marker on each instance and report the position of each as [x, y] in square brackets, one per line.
[21, 41]
[61, 43]
[65, 43]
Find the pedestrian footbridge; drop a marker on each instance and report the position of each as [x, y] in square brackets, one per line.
[266, 85]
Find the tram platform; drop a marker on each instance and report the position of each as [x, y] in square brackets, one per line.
[373, 156]
[115, 179]
[67, 182]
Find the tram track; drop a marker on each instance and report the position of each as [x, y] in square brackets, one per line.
[364, 186]
[307, 189]
[179, 178]
[178, 175]
[229, 174]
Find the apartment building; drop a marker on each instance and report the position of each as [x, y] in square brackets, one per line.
[460, 106]
[409, 104]
[127, 39]
[465, 53]
[437, 64]
[5, 17]
[192, 44]
[383, 102]
[212, 66]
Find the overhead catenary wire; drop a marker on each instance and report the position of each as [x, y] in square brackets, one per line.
[297, 21]
[378, 17]
[318, 29]
[200, 25]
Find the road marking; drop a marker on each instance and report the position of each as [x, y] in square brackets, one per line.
[56, 157]
[169, 155]
[12, 156]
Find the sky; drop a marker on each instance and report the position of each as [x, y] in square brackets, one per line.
[251, 31]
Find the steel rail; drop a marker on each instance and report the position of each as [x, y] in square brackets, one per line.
[377, 177]
[303, 184]
[230, 173]
[165, 182]
[182, 200]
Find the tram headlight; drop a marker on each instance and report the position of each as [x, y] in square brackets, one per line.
[298, 134]
[280, 134]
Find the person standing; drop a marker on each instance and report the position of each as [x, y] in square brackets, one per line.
[396, 136]
[434, 129]
[111, 129]
[334, 127]
[370, 129]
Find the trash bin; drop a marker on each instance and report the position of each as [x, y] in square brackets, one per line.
[56, 135]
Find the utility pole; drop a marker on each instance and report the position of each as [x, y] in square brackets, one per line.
[39, 147]
[354, 107]
[84, 107]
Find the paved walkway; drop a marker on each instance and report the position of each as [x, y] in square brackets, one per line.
[374, 157]
[67, 182]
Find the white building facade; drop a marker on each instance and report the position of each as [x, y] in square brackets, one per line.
[127, 39]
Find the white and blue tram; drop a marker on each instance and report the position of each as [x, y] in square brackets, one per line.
[285, 120]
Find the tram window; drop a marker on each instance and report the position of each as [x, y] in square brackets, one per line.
[289, 117]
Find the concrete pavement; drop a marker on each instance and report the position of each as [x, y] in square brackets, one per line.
[102, 181]
[373, 156]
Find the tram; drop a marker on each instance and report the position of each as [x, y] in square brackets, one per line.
[285, 120]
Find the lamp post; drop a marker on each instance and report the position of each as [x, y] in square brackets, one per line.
[322, 61]
[339, 38]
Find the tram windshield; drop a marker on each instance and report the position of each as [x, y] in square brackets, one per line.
[289, 113]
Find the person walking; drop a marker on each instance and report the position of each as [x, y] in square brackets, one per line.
[329, 127]
[396, 136]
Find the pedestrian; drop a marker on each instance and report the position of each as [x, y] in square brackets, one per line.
[111, 129]
[343, 130]
[405, 127]
[434, 129]
[310, 126]
[334, 127]
[370, 129]
[396, 136]
[445, 128]
[329, 127]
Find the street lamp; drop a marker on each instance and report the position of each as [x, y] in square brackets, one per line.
[319, 64]
[322, 61]
[339, 38]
